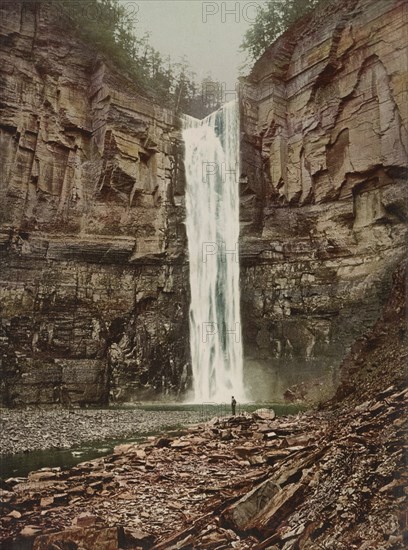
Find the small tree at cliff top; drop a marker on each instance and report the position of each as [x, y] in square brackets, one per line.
[272, 19]
[108, 26]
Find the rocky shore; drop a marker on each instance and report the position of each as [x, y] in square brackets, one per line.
[36, 429]
[316, 480]
[334, 478]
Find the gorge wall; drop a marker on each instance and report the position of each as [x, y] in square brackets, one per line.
[94, 274]
[94, 281]
[324, 188]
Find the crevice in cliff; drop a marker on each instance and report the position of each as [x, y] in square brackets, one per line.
[334, 64]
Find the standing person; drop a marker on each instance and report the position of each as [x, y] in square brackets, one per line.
[233, 404]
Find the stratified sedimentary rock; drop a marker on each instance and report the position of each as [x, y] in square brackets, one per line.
[323, 198]
[322, 479]
[93, 275]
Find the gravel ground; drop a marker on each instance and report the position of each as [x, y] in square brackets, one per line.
[28, 430]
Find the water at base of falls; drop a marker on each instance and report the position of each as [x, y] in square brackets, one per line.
[212, 221]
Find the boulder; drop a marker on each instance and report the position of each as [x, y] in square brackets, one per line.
[264, 414]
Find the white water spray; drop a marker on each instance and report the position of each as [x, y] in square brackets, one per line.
[212, 204]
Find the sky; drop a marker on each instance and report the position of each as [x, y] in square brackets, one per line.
[208, 33]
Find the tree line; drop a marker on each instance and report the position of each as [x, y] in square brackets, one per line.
[272, 19]
[108, 26]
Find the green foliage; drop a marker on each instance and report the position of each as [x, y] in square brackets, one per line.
[271, 21]
[107, 26]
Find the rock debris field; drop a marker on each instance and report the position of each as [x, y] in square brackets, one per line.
[328, 479]
[28, 430]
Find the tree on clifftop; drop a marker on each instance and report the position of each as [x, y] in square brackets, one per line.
[108, 26]
[272, 19]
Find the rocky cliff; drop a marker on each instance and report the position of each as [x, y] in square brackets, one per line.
[94, 280]
[323, 197]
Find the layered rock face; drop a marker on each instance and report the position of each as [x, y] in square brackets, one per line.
[323, 198]
[94, 282]
[94, 278]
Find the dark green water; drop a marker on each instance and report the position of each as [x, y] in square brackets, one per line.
[20, 464]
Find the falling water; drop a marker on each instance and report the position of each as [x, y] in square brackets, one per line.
[212, 204]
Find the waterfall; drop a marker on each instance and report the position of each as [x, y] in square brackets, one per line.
[212, 221]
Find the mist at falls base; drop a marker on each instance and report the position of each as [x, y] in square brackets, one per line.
[212, 223]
